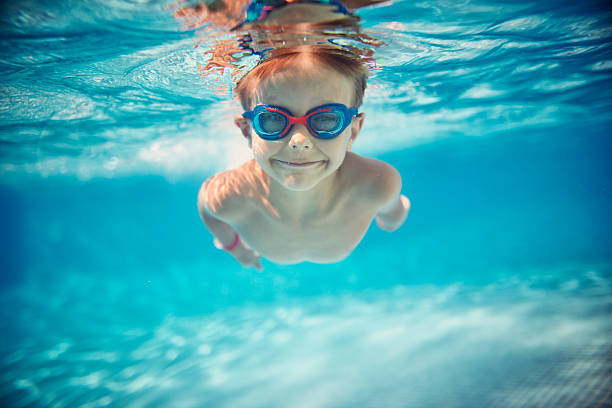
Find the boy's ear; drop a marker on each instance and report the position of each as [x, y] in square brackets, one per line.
[355, 129]
[245, 127]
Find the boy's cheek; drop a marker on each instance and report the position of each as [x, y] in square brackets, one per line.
[262, 151]
[257, 150]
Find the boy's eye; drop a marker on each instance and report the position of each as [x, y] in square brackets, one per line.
[271, 122]
[326, 122]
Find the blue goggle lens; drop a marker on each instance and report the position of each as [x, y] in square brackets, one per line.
[270, 123]
[326, 122]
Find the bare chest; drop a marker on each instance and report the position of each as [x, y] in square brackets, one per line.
[329, 238]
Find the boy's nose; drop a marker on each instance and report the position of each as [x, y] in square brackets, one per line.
[299, 139]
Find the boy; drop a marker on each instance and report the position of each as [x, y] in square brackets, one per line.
[305, 196]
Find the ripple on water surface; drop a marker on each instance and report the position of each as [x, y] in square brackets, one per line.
[114, 79]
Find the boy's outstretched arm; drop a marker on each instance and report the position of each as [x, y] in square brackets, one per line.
[225, 237]
[394, 211]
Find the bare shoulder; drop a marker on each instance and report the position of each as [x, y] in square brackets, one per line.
[216, 195]
[224, 194]
[374, 180]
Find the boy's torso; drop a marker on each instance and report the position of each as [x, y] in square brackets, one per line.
[326, 236]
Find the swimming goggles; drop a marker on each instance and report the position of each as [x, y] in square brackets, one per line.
[324, 122]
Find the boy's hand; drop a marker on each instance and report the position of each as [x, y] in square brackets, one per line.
[246, 256]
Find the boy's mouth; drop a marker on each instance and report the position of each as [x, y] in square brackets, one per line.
[299, 163]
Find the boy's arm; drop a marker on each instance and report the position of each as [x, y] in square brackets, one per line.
[223, 233]
[395, 206]
[393, 215]
[225, 237]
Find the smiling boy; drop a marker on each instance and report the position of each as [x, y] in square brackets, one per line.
[305, 196]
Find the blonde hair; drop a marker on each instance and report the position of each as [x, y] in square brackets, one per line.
[343, 62]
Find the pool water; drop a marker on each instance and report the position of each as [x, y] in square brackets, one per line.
[496, 292]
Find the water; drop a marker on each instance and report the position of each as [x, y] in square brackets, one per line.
[496, 291]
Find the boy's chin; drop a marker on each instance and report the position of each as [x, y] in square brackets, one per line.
[299, 183]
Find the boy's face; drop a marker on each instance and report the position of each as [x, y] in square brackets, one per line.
[299, 161]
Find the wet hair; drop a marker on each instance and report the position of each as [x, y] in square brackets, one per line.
[284, 62]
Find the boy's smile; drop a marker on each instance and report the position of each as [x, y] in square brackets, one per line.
[300, 164]
[299, 161]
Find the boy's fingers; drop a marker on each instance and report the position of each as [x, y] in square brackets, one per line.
[256, 261]
[250, 259]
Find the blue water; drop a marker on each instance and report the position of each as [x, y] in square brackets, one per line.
[495, 293]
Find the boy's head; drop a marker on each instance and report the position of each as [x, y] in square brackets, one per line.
[299, 61]
[298, 82]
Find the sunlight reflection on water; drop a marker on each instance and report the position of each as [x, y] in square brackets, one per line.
[405, 346]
